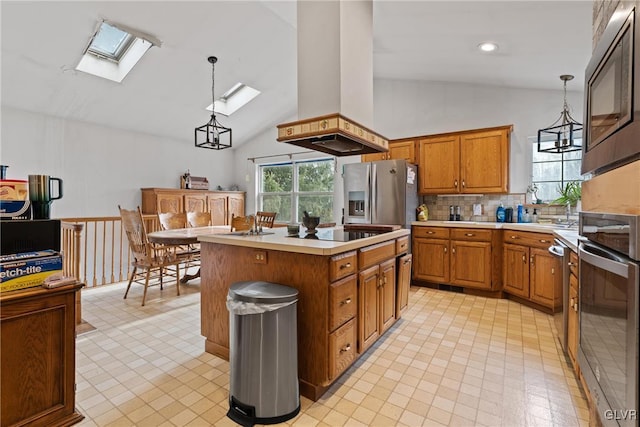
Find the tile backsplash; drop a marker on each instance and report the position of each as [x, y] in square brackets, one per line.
[439, 206]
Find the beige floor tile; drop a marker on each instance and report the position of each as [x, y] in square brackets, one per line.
[453, 359]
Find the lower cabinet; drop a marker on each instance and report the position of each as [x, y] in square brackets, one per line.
[530, 271]
[573, 327]
[403, 284]
[37, 386]
[377, 287]
[457, 256]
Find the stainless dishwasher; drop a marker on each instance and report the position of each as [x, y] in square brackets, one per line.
[560, 250]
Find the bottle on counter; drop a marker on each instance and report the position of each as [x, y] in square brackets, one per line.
[500, 213]
[187, 180]
[452, 216]
[526, 217]
[534, 217]
[508, 214]
[458, 213]
[520, 213]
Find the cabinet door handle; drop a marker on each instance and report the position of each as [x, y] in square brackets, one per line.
[345, 348]
[463, 183]
[445, 249]
[406, 261]
[553, 270]
[453, 250]
[531, 260]
[524, 259]
[469, 234]
[431, 232]
[455, 183]
[571, 303]
[575, 307]
[570, 264]
[345, 302]
[514, 237]
[544, 241]
[347, 265]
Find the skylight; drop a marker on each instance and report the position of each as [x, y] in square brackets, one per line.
[235, 98]
[114, 50]
[110, 42]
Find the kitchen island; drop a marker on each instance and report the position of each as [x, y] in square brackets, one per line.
[350, 292]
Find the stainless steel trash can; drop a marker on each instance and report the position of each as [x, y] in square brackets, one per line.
[263, 353]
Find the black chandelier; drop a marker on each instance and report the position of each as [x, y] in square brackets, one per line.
[565, 134]
[213, 135]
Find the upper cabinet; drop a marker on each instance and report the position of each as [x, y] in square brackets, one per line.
[475, 161]
[398, 149]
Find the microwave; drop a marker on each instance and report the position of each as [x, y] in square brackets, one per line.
[611, 134]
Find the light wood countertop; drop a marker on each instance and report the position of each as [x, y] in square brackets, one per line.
[279, 241]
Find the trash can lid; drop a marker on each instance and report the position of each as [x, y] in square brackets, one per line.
[262, 292]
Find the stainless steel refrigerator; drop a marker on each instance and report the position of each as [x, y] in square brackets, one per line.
[383, 192]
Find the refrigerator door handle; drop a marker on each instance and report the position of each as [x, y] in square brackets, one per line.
[373, 194]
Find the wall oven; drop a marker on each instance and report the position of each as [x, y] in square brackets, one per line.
[608, 346]
[612, 95]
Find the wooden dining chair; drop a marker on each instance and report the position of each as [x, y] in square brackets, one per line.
[172, 220]
[198, 219]
[242, 223]
[266, 219]
[189, 255]
[150, 261]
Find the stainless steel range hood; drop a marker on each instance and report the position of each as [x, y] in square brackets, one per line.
[335, 79]
[333, 134]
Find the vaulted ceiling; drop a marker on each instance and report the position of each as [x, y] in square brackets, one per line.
[255, 42]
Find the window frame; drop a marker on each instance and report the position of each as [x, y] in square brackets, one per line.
[295, 193]
[562, 181]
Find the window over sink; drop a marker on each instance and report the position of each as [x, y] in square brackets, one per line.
[290, 188]
[551, 171]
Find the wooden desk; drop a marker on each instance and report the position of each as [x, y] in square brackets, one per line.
[186, 236]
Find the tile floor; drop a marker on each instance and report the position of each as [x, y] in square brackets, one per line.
[453, 359]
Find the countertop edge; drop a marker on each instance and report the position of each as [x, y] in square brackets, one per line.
[533, 227]
[279, 242]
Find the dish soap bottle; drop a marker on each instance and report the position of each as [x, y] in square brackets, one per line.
[534, 217]
[500, 213]
[526, 217]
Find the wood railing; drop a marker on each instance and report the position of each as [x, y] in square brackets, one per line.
[96, 250]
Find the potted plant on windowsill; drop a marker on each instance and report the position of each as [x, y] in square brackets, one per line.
[570, 194]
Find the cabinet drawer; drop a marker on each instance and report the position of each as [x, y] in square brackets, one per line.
[343, 301]
[431, 232]
[402, 245]
[374, 254]
[342, 265]
[573, 263]
[342, 348]
[471, 234]
[535, 240]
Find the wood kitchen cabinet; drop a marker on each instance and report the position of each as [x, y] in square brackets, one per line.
[376, 292]
[531, 273]
[221, 204]
[403, 284]
[37, 385]
[471, 258]
[573, 327]
[475, 161]
[466, 257]
[400, 149]
[431, 254]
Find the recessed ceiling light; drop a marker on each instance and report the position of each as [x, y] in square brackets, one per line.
[488, 47]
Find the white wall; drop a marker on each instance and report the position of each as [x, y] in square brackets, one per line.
[102, 167]
[412, 108]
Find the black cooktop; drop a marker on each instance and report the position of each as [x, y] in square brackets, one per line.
[336, 235]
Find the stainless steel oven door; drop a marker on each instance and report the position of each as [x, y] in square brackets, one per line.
[608, 351]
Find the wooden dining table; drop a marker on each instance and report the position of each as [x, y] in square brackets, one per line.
[186, 236]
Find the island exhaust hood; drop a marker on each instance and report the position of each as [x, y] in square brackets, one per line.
[335, 80]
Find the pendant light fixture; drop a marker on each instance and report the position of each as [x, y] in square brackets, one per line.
[565, 134]
[213, 135]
